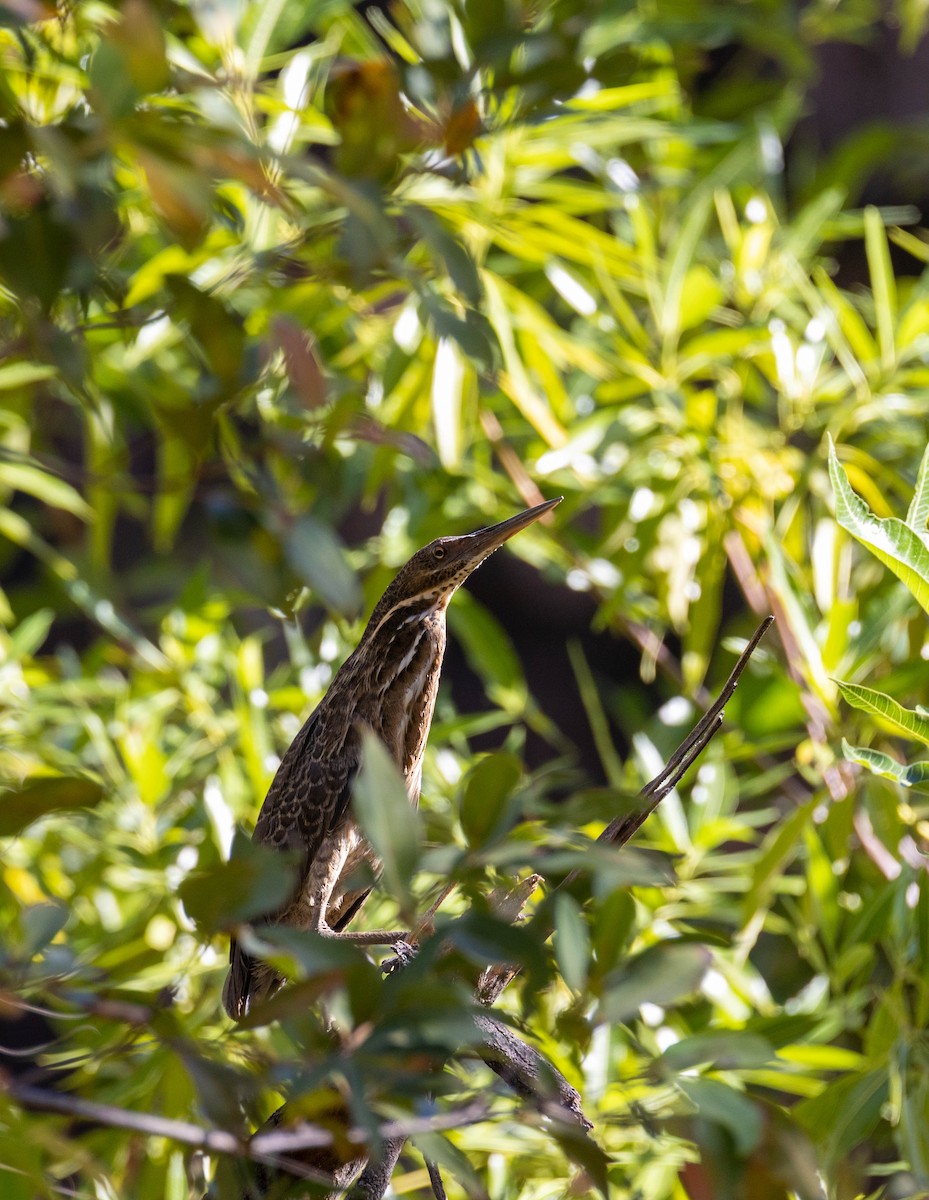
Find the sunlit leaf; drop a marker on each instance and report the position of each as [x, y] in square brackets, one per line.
[905, 720]
[908, 775]
[892, 541]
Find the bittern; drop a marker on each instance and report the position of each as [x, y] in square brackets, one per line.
[387, 685]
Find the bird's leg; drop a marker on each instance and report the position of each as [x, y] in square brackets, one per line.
[367, 937]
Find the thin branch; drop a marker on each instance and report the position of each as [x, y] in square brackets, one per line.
[435, 1178]
[270, 1148]
[623, 827]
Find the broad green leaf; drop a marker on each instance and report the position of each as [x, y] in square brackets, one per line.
[571, 940]
[41, 922]
[317, 556]
[38, 797]
[389, 821]
[894, 543]
[723, 1049]
[912, 775]
[255, 882]
[660, 975]
[613, 922]
[581, 1149]
[487, 788]
[906, 720]
[488, 940]
[731, 1109]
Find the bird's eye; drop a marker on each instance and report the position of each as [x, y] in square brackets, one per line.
[438, 552]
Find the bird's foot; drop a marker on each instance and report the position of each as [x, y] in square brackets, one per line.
[403, 955]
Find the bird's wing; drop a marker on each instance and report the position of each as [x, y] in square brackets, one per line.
[308, 797]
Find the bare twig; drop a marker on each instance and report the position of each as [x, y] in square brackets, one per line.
[496, 979]
[435, 1178]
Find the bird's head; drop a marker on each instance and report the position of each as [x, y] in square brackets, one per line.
[434, 574]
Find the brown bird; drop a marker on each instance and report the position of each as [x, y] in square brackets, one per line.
[388, 685]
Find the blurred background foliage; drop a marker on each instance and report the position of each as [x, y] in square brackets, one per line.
[288, 289]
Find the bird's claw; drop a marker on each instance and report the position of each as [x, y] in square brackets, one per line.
[403, 955]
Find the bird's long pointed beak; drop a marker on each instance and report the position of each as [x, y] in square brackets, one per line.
[485, 541]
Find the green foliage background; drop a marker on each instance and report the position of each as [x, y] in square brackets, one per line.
[267, 266]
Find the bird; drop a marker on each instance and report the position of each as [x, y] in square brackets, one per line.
[388, 685]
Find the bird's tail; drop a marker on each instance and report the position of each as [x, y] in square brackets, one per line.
[249, 981]
[237, 988]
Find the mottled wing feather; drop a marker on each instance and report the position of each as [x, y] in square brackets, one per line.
[308, 797]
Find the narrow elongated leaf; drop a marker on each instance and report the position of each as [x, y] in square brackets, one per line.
[882, 284]
[25, 477]
[878, 763]
[389, 821]
[843, 1115]
[888, 538]
[907, 720]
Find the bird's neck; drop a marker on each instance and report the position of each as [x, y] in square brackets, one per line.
[398, 664]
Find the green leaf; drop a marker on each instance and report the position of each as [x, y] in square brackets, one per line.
[487, 787]
[845, 1112]
[878, 763]
[731, 1109]
[893, 542]
[883, 284]
[488, 940]
[38, 797]
[30, 633]
[596, 716]
[25, 477]
[571, 940]
[660, 975]
[489, 651]
[580, 1148]
[41, 922]
[917, 515]
[318, 557]
[778, 847]
[614, 919]
[906, 720]
[723, 1049]
[255, 882]
[20, 374]
[389, 821]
